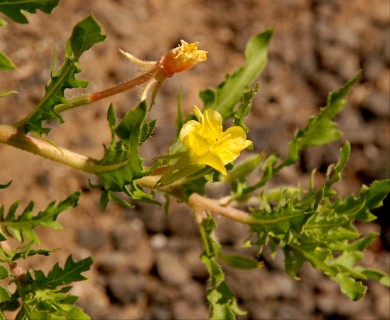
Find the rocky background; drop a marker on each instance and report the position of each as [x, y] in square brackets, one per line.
[146, 264]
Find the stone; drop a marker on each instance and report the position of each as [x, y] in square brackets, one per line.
[171, 269]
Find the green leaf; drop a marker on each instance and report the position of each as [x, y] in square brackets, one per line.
[7, 93]
[238, 261]
[245, 107]
[355, 290]
[126, 150]
[228, 93]
[3, 186]
[368, 199]
[319, 228]
[64, 77]
[85, 35]
[51, 304]
[6, 63]
[23, 226]
[223, 305]
[4, 272]
[15, 8]
[122, 159]
[320, 128]
[2, 23]
[62, 276]
[5, 295]
[243, 169]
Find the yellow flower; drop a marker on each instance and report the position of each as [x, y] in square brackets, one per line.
[184, 57]
[208, 144]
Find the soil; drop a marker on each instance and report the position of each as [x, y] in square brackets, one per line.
[147, 264]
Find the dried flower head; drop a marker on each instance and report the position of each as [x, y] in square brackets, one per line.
[182, 58]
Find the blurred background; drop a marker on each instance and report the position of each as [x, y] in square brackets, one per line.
[146, 264]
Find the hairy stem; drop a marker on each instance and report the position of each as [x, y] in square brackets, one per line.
[92, 97]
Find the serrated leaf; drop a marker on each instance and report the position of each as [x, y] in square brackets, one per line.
[22, 227]
[368, 199]
[318, 227]
[6, 63]
[223, 305]
[85, 34]
[228, 93]
[320, 128]
[64, 77]
[122, 156]
[15, 9]
[245, 107]
[63, 276]
[52, 304]
[350, 287]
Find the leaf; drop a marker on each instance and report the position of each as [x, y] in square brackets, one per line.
[5, 295]
[228, 93]
[51, 304]
[3, 186]
[243, 169]
[238, 261]
[7, 93]
[22, 227]
[223, 305]
[320, 128]
[63, 276]
[14, 9]
[85, 35]
[350, 287]
[64, 77]
[6, 63]
[4, 272]
[318, 228]
[122, 157]
[126, 150]
[2, 23]
[245, 107]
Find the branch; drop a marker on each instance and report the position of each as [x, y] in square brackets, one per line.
[11, 136]
[200, 203]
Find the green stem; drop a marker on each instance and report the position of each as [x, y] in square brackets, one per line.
[13, 137]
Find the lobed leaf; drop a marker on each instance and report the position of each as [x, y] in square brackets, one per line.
[22, 227]
[45, 297]
[85, 34]
[224, 98]
[318, 228]
[122, 155]
[223, 305]
[63, 276]
[16, 9]
[320, 128]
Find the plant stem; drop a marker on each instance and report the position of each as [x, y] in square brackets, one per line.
[92, 97]
[200, 203]
[13, 137]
